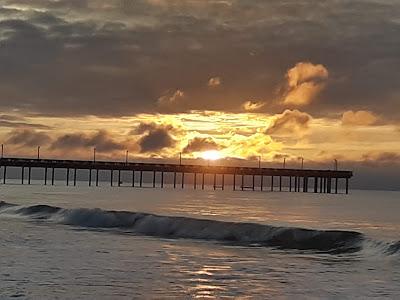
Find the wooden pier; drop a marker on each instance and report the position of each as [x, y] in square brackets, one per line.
[296, 180]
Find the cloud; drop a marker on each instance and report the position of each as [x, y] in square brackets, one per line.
[359, 118]
[201, 144]
[128, 53]
[18, 122]
[156, 137]
[289, 122]
[253, 105]
[28, 138]
[101, 140]
[171, 100]
[214, 82]
[304, 83]
[381, 158]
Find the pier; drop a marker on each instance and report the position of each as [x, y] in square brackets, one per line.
[261, 179]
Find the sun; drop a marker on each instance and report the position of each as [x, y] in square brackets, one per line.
[211, 155]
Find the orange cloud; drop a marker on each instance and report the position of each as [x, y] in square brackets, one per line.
[359, 118]
[304, 83]
[214, 82]
[253, 105]
[199, 144]
[289, 122]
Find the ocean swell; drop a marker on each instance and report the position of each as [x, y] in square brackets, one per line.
[251, 234]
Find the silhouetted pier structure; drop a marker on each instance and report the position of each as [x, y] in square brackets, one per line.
[297, 180]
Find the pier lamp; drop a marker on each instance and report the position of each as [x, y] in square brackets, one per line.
[302, 162]
[94, 154]
[38, 152]
[2, 150]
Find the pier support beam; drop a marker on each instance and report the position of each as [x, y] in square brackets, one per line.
[133, 178]
[4, 174]
[329, 185]
[223, 181]
[97, 177]
[254, 183]
[183, 180]
[154, 179]
[315, 184]
[290, 183]
[234, 182]
[162, 179]
[90, 177]
[22, 175]
[174, 180]
[280, 183]
[336, 185]
[202, 181]
[74, 177]
[67, 177]
[347, 185]
[320, 184]
[29, 175]
[262, 183]
[215, 181]
[119, 177]
[45, 176]
[305, 184]
[272, 183]
[141, 179]
[111, 177]
[195, 181]
[52, 176]
[242, 182]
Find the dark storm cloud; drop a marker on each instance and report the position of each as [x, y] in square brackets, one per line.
[27, 138]
[155, 137]
[120, 57]
[102, 140]
[201, 144]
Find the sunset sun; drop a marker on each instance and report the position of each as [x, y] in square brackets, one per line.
[211, 155]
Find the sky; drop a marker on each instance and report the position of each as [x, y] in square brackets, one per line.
[274, 80]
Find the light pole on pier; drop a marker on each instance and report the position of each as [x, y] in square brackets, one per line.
[284, 162]
[335, 164]
[38, 152]
[302, 162]
[2, 150]
[259, 162]
[126, 156]
[180, 158]
[94, 154]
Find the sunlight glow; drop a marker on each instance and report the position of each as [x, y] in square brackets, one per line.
[211, 155]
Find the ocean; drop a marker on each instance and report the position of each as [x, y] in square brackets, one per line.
[59, 242]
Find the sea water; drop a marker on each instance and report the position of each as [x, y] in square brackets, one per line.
[59, 242]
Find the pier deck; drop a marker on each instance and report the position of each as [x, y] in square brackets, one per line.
[299, 179]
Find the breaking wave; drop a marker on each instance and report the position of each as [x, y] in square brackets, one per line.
[249, 234]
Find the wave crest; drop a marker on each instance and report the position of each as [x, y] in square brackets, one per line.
[183, 227]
